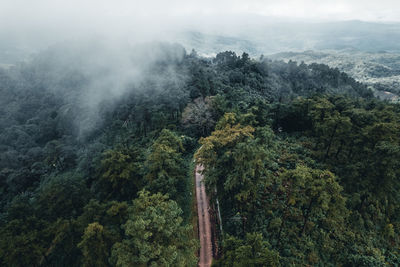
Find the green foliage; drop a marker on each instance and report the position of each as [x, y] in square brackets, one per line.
[62, 196]
[311, 212]
[20, 245]
[165, 165]
[120, 171]
[155, 235]
[94, 246]
[302, 160]
[253, 251]
[264, 185]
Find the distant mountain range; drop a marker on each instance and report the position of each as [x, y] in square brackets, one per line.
[368, 51]
[278, 36]
[380, 70]
[255, 35]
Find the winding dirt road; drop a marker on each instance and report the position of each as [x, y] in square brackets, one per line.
[204, 220]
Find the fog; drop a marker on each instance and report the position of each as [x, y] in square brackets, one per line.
[106, 43]
[29, 26]
[89, 11]
[93, 75]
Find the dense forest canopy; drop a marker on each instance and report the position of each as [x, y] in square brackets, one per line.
[96, 158]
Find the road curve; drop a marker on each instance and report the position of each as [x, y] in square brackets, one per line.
[204, 220]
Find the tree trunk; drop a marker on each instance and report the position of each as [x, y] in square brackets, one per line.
[339, 149]
[330, 142]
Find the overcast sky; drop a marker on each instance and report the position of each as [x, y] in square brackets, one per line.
[88, 10]
[35, 24]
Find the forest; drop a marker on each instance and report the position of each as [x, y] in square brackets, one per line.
[97, 157]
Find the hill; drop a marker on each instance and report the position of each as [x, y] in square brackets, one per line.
[97, 147]
[380, 70]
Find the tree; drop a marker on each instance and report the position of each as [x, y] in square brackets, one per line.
[308, 210]
[165, 165]
[253, 251]
[155, 235]
[198, 116]
[120, 171]
[63, 196]
[216, 148]
[23, 239]
[94, 246]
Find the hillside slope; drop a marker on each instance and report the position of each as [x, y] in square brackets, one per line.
[381, 70]
[97, 141]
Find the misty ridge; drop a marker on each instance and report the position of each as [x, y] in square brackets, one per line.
[106, 62]
[90, 77]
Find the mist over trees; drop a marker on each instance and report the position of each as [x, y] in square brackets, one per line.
[96, 160]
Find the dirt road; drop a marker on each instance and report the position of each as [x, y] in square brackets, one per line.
[204, 220]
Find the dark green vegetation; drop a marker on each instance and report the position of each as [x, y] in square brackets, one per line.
[379, 70]
[304, 160]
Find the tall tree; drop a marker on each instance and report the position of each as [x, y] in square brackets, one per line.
[94, 246]
[165, 164]
[155, 235]
[120, 172]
